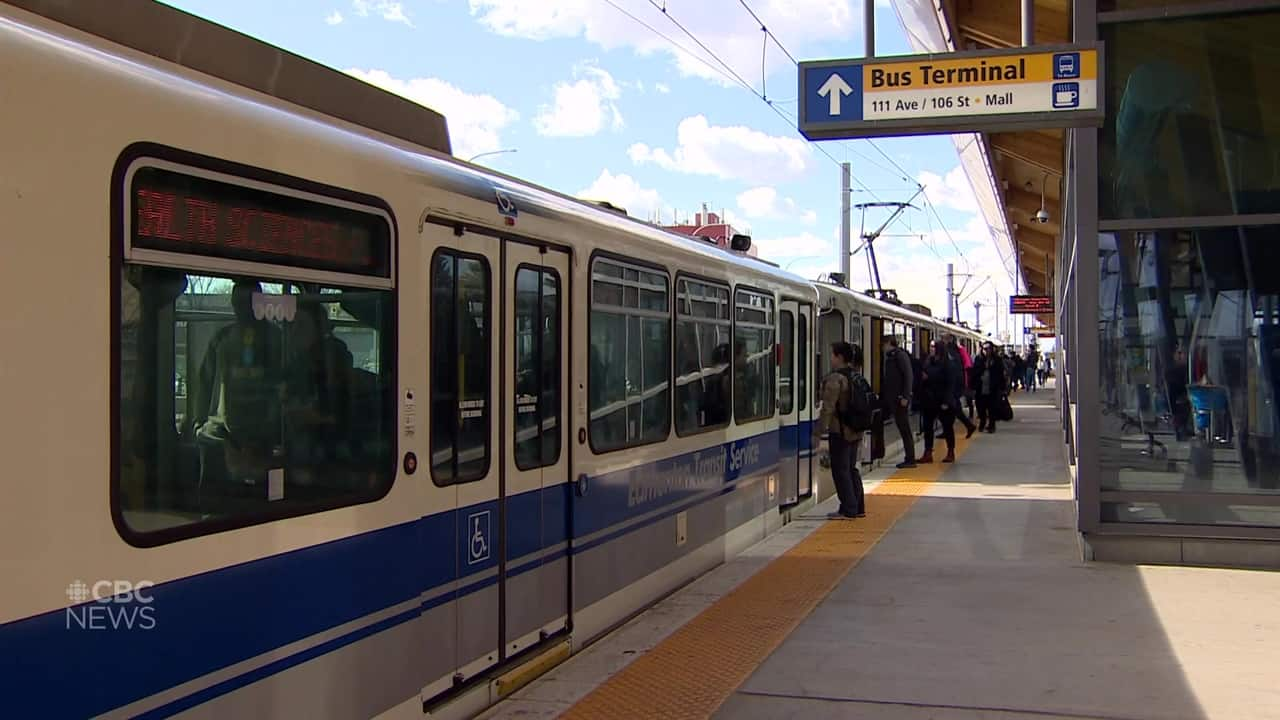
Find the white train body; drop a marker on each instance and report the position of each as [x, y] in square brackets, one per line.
[304, 420]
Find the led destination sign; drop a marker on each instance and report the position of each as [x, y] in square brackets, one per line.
[1030, 305]
[182, 213]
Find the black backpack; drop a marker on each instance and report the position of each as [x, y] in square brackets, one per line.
[857, 409]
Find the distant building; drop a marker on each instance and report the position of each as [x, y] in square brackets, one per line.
[709, 225]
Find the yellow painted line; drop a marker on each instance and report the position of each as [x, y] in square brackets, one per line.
[693, 671]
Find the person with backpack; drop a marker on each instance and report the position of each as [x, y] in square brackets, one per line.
[847, 411]
[938, 396]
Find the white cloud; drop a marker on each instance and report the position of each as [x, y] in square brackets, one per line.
[662, 88]
[764, 202]
[390, 11]
[333, 18]
[805, 246]
[732, 34]
[475, 121]
[919, 275]
[951, 191]
[735, 152]
[583, 107]
[907, 265]
[623, 191]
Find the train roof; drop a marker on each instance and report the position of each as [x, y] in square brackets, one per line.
[891, 308]
[184, 39]
[401, 131]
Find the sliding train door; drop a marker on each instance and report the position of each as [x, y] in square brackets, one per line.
[804, 403]
[535, 490]
[499, 457]
[788, 409]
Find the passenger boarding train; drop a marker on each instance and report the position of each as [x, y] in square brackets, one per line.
[302, 420]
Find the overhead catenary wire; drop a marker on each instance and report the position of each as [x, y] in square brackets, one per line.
[906, 176]
[790, 119]
[727, 72]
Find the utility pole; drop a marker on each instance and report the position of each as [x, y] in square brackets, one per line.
[951, 301]
[977, 316]
[1028, 23]
[845, 251]
[869, 25]
[996, 292]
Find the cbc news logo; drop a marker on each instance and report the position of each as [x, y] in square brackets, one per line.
[116, 605]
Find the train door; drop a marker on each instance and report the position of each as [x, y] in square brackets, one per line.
[465, 453]
[804, 406]
[788, 410]
[874, 354]
[534, 562]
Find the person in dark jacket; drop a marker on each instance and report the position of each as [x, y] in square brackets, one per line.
[990, 386]
[957, 357]
[895, 390]
[937, 398]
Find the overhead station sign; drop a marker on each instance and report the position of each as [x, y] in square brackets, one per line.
[986, 91]
[1030, 305]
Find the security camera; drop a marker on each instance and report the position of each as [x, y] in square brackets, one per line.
[1041, 216]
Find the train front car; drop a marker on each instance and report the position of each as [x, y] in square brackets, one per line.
[326, 424]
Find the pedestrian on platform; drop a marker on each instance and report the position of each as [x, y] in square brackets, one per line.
[895, 389]
[937, 398]
[990, 386]
[842, 439]
[960, 358]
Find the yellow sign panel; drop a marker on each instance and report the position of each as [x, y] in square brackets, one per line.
[941, 74]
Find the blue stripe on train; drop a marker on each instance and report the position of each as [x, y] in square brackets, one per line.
[54, 666]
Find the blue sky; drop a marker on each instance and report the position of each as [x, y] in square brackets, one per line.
[600, 106]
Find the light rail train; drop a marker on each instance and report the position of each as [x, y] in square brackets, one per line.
[304, 419]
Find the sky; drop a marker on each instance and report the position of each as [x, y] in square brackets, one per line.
[659, 113]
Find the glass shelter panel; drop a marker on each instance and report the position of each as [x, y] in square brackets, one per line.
[1193, 117]
[1189, 351]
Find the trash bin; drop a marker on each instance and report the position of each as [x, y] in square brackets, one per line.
[1207, 403]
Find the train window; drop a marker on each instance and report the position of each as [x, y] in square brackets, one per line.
[855, 329]
[244, 399]
[537, 368]
[754, 357]
[786, 332]
[460, 373]
[703, 330]
[802, 367]
[248, 393]
[629, 371]
[830, 329]
[903, 332]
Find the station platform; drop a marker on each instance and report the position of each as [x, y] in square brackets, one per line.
[961, 595]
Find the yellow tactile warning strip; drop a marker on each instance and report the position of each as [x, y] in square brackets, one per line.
[692, 672]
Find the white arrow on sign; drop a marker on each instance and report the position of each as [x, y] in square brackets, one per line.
[834, 89]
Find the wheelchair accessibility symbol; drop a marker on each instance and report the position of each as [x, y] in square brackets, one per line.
[478, 537]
